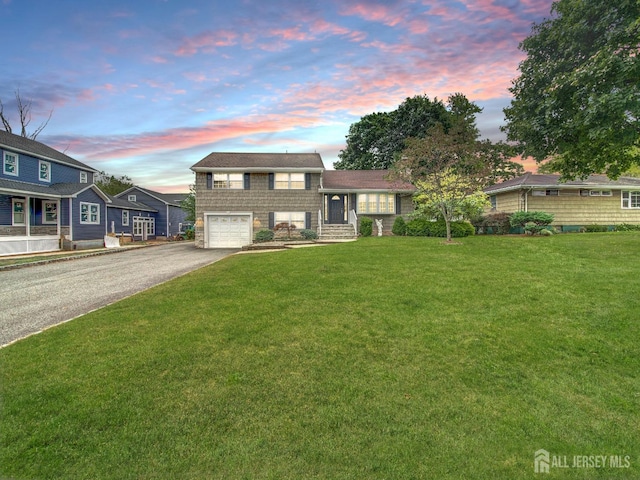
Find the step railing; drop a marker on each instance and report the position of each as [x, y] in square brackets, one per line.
[353, 220]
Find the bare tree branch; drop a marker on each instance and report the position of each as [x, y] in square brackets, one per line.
[5, 120]
[24, 113]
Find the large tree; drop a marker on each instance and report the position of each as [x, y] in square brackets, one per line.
[577, 100]
[449, 170]
[23, 108]
[375, 141]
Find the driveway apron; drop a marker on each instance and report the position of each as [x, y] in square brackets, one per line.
[38, 297]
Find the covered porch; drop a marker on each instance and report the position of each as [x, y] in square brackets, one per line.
[30, 223]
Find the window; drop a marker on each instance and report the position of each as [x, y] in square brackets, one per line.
[494, 202]
[547, 193]
[17, 211]
[125, 218]
[44, 171]
[600, 193]
[84, 178]
[376, 203]
[10, 164]
[49, 212]
[131, 198]
[89, 213]
[631, 199]
[292, 218]
[289, 181]
[228, 180]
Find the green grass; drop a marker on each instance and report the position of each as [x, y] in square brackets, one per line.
[388, 358]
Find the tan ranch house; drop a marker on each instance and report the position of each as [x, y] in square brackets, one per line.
[238, 194]
[596, 200]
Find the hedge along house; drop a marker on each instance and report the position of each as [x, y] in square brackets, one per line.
[596, 200]
[48, 200]
[238, 194]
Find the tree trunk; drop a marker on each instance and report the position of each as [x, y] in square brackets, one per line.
[447, 222]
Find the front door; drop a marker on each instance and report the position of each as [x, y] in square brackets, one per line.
[337, 206]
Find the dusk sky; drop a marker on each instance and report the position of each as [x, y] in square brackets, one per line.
[147, 88]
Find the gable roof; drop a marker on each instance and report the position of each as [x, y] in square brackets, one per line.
[259, 162]
[172, 199]
[32, 147]
[126, 204]
[369, 180]
[539, 181]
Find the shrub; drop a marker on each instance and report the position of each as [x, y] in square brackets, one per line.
[545, 232]
[627, 227]
[498, 222]
[595, 228]
[366, 226]
[531, 222]
[399, 227]
[264, 236]
[422, 227]
[418, 227]
[308, 234]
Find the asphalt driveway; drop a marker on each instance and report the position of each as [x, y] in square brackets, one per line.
[37, 297]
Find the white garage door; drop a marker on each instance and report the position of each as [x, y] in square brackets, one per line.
[229, 231]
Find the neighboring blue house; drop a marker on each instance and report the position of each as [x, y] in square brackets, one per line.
[161, 216]
[48, 200]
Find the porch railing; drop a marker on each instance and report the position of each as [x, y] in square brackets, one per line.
[319, 222]
[353, 220]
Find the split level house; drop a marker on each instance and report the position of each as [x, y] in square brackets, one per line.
[49, 201]
[596, 200]
[238, 194]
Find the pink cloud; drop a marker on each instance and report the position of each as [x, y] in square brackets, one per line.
[374, 13]
[206, 42]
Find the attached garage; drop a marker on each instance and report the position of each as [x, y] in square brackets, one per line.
[224, 230]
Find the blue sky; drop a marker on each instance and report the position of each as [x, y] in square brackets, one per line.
[147, 88]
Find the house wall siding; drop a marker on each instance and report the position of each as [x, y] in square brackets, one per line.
[28, 171]
[570, 208]
[258, 199]
[87, 231]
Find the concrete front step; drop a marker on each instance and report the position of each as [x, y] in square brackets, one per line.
[337, 232]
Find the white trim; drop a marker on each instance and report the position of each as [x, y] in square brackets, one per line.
[89, 213]
[44, 212]
[629, 192]
[16, 171]
[206, 216]
[47, 178]
[50, 159]
[84, 177]
[128, 218]
[257, 170]
[25, 208]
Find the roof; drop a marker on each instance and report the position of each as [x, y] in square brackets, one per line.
[56, 190]
[259, 162]
[173, 199]
[538, 181]
[126, 204]
[40, 150]
[369, 180]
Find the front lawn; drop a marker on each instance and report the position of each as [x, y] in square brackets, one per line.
[387, 358]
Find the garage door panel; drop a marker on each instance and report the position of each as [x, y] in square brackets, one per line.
[229, 231]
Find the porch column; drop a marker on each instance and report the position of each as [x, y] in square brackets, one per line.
[58, 215]
[27, 215]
